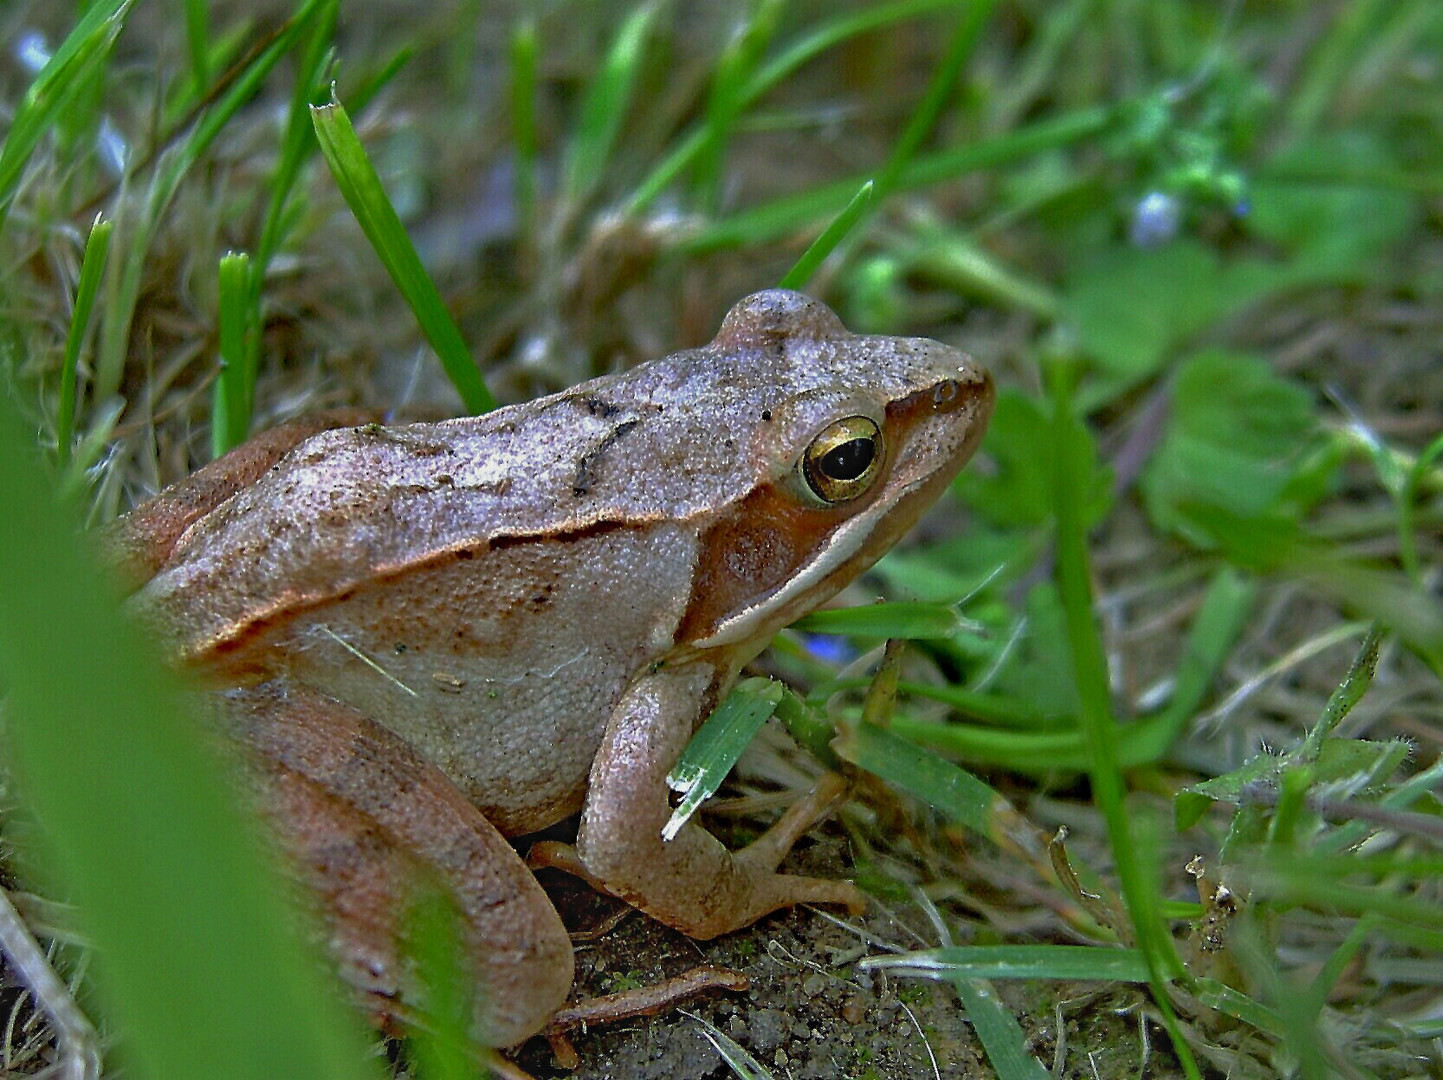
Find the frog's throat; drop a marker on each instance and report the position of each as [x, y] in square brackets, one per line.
[847, 552]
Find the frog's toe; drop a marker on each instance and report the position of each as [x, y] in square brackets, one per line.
[794, 889]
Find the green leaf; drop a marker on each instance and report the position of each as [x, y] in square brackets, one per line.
[1335, 231]
[1238, 439]
[1131, 308]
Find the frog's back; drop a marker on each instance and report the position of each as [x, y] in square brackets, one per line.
[364, 508]
[479, 586]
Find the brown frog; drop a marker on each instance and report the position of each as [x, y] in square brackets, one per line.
[435, 636]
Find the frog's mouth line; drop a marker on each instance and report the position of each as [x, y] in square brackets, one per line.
[861, 540]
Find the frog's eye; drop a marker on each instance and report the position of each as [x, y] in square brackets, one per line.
[843, 460]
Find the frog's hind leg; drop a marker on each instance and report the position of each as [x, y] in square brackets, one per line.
[361, 815]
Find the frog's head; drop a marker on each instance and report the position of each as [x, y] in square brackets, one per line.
[841, 442]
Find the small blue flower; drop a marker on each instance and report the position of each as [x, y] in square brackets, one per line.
[829, 647]
[1154, 220]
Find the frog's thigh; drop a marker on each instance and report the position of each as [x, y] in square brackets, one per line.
[360, 811]
[691, 882]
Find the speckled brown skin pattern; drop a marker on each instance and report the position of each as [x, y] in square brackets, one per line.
[437, 635]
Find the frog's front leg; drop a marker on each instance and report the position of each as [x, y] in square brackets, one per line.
[692, 882]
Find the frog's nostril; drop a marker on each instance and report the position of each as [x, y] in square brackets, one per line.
[945, 392]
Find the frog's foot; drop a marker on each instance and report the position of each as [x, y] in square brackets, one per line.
[555, 855]
[758, 859]
[768, 850]
[691, 882]
[643, 1001]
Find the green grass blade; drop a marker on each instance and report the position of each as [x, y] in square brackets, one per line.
[440, 1035]
[1239, 1006]
[831, 34]
[1225, 609]
[913, 620]
[1407, 544]
[792, 212]
[362, 189]
[524, 48]
[964, 40]
[298, 142]
[73, 67]
[123, 289]
[1089, 671]
[964, 265]
[1027, 751]
[1330, 64]
[197, 33]
[235, 388]
[608, 100]
[993, 708]
[717, 745]
[952, 790]
[196, 961]
[1000, 1033]
[1275, 545]
[818, 40]
[1068, 962]
[1344, 696]
[92, 266]
[373, 84]
[741, 1063]
[803, 269]
[734, 67]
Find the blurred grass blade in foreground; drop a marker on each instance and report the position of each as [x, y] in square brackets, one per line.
[197, 963]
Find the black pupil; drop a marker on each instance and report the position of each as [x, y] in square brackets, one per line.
[850, 460]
